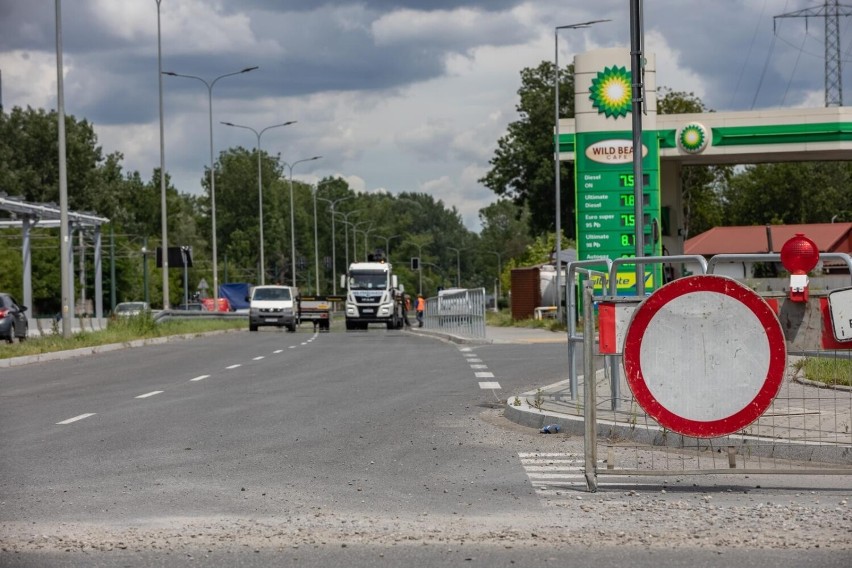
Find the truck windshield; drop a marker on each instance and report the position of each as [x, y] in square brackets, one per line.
[368, 280]
[272, 294]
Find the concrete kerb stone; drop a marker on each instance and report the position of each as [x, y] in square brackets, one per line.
[450, 338]
[520, 411]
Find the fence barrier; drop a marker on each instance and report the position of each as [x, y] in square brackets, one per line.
[457, 312]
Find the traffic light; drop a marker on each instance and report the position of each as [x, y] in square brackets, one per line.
[415, 263]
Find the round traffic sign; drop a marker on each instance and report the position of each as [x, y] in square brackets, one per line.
[704, 356]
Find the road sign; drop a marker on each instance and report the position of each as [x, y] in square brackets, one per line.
[704, 356]
[840, 306]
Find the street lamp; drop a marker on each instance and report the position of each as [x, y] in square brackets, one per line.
[163, 213]
[387, 243]
[316, 237]
[332, 204]
[458, 266]
[260, 187]
[355, 238]
[292, 217]
[557, 163]
[499, 275]
[346, 224]
[209, 85]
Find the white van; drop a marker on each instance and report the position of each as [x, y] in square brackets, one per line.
[273, 305]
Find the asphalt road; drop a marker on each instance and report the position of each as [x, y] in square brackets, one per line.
[359, 448]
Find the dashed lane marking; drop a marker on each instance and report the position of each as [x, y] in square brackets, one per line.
[234, 366]
[258, 358]
[479, 366]
[200, 378]
[484, 375]
[493, 385]
[75, 419]
[278, 351]
[474, 360]
[148, 394]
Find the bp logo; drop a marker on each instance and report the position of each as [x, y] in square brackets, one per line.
[692, 138]
[610, 92]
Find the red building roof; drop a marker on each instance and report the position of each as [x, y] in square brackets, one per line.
[829, 237]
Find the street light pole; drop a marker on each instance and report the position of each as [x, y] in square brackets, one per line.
[346, 224]
[209, 85]
[292, 216]
[458, 266]
[499, 275]
[332, 204]
[163, 213]
[387, 243]
[260, 187]
[355, 239]
[557, 164]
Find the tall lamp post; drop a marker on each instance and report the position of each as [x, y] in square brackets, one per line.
[260, 187]
[355, 232]
[332, 203]
[209, 85]
[557, 164]
[458, 266]
[346, 223]
[499, 275]
[163, 213]
[387, 243]
[292, 216]
[316, 236]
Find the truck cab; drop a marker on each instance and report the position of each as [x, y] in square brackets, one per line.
[373, 295]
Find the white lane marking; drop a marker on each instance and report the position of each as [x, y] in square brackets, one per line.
[464, 349]
[200, 378]
[147, 394]
[484, 375]
[474, 360]
[258, 358]
[479, 366]
[523, 455]
[489, 385]
[292, 347]
[550, 472]
[278, 351]
[234, 366]
[76, 418]
[304, 343]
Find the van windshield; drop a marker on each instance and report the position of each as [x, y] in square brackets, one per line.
[271, 294]
[368, 280]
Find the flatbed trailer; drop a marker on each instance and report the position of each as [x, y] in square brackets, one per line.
[318, 310]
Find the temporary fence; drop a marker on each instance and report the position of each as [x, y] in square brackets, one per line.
[807, 429]
[459, 312]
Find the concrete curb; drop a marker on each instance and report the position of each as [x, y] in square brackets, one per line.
[449, 337]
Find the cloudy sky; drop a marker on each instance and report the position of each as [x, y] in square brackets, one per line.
[396, 95]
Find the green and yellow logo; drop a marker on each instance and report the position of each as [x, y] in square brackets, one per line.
[610, 92]
[693, 138]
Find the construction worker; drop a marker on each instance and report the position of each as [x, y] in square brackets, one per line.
[406, 307]
[421, 307]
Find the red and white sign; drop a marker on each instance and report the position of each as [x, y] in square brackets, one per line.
[704, 356]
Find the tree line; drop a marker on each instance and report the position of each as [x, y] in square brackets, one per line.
[517, 228]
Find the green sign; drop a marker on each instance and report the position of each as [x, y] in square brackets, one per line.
[605, 192]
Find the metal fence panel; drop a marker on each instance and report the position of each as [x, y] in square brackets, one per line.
[457, 312]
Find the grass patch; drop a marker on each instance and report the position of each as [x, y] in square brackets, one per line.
[120, 330]
[503, 318]
[826, 370]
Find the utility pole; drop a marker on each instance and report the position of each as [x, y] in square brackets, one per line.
[830, 11]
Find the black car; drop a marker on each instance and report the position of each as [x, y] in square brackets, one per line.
[13, 320]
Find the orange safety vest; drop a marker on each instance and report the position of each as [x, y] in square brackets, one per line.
[421, 304]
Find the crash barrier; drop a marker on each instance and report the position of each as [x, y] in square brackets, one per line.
[53, 326]
[459, 312]
[806, 429]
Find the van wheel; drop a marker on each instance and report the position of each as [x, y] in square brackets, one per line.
[252, 327]
[291, 328]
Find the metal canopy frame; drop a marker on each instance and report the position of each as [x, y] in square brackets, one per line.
[28, 215]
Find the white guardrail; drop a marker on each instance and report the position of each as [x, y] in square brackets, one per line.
[457, 312]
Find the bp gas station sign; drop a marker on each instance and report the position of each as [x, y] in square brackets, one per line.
[606, 187]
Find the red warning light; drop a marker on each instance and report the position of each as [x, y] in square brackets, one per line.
[799, 256]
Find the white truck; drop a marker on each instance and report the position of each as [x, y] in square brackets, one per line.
[373, 295]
